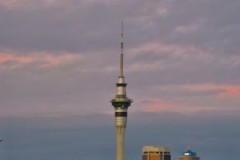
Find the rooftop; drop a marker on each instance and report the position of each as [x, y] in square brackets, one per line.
[189, 152]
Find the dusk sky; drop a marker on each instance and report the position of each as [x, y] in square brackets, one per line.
[59, 62]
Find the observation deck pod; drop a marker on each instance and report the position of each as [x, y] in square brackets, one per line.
[121, 102]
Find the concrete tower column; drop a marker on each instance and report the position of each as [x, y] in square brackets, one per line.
[120, 131]
[121, 103]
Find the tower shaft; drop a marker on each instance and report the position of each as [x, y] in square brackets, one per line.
[120, 125]
[120, 133]
[121, 103]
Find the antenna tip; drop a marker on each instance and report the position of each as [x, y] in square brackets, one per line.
[122, 26]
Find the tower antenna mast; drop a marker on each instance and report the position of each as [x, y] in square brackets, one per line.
[121, 103]
[121, 55]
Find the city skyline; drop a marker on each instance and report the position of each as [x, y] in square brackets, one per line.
[59, 62]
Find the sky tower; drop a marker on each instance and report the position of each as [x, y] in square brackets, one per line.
[121, 103]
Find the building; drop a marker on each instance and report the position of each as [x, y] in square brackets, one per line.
[188, 155]
[156, 153]
[121, 103]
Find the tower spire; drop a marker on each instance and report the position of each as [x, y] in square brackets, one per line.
[121, 54]
[121, 103]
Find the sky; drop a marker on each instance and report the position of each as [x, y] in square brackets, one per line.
[59, 62]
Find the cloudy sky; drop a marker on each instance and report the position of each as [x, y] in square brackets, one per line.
[59, 65]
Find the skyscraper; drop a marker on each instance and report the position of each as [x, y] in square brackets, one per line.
[188, 155]
[121, 103]
[156, 153]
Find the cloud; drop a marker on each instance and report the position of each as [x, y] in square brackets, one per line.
[72, 47]
[185, 29]
[161, 106]
[188, 98]
[59, 63]
[11, 60]
[9, 57]
[224, 90]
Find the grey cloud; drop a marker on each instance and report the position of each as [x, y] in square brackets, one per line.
[80, 87]
[47, 89]
[78, 26]
[71, 28]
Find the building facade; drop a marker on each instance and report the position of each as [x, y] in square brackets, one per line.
[156, 153]
[189, 155]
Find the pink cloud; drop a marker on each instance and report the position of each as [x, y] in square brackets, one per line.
[183, 106]
[40, 59]
[190, 28]
[56, 60]
[19, 59]
[225, 90]
[160, 105]
[186, 29]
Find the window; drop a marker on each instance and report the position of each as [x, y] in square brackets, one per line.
[167, 157]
